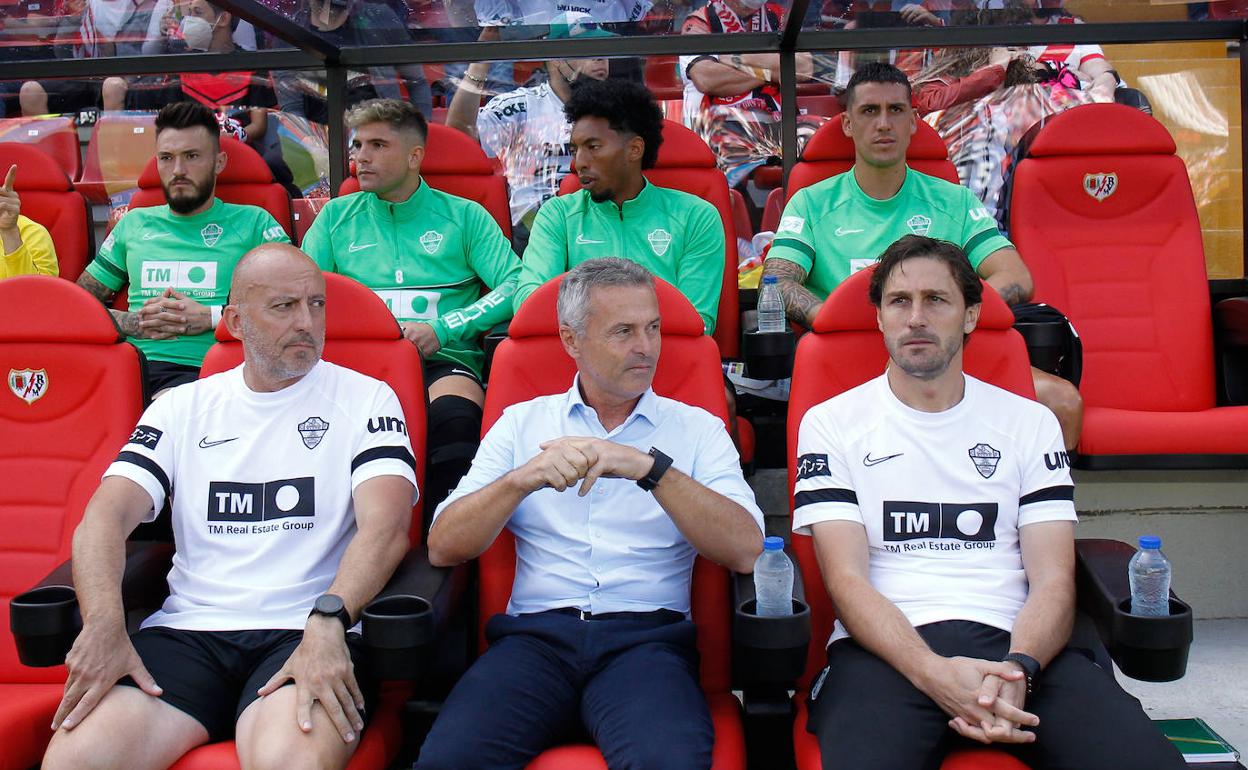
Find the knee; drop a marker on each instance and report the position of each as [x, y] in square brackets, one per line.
[282, 755]
[32, 98]
[438, 754]
[113, 93]
[75, 751]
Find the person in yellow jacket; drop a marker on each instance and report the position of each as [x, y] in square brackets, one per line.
[25, 244]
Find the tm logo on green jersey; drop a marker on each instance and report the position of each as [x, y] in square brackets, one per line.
[185, 276]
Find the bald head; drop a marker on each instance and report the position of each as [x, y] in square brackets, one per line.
[277, 308]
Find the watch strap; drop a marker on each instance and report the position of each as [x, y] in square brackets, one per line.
[1031, 667]
[661, 463]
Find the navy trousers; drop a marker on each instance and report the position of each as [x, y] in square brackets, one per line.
[628, 684]
[867, 715]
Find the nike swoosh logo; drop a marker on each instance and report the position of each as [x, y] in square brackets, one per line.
[841, 231]
[154, 236]
[583, 241]
[869, 461]
[204, 443]
[354, 247]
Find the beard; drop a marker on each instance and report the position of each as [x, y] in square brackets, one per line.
[187, 202]
[927, 367]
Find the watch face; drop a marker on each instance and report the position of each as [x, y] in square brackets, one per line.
[328, 604]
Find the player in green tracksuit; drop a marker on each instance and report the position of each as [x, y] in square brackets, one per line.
[616, 133]
[178, 259]
[441, 264]
[840, 225]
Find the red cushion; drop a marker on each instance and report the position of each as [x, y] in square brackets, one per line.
[26, 711]
[851, 309]
[1102, 129]
[686, 163]
[352, 312]
[121, 146]
[56, 135]
[48, 197]
[532, 362]
[245, 180]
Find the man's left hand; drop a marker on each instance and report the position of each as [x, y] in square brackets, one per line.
[1005, 699]
[610, 460]
[10, 201]
[173, 314]
[422, 336]
[322, 671]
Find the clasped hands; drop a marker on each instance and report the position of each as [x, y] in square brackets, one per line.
[172, 314]
[565, 461]
[983, 698]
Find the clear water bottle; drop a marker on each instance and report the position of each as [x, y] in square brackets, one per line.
[1149, 573]
[770, 306]
[773, 579]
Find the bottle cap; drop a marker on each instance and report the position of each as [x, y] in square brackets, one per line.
[770, 279]
[1150, 542]
[773, 544]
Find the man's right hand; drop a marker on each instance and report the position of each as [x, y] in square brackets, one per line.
[98, 659]
[559, 465]
[956, 684]
[10, 203]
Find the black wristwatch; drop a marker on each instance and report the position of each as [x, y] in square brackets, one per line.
[331, 605]
[1031, 667]
[661, 463]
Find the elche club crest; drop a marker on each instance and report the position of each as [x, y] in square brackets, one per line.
[432, 241]
[29, 385]
[312, 430]
[919, 224]
[1100, 186]
[660, 240]
[211, 234]
[985, 459]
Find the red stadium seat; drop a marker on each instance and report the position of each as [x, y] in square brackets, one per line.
[360, 334]
[689, 371]
[72, 395]
[456, 164]
[55, 135]
[686, 163]
[121, 145]
[48, 197]
[663, 78]
[829, 152]
[245, 180]
[844, 350]
[1103, 215]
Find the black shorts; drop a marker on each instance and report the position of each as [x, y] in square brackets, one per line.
[214, 675]
[437, 369]
[166, 374]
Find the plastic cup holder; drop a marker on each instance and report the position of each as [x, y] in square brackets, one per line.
[398, 622]
[45, 622]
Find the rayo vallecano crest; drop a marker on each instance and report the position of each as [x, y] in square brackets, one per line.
[985, 459]
[29, 385]
[1100, 186]
[312, 430]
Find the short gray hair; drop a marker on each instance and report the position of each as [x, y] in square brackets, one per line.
[573, 307]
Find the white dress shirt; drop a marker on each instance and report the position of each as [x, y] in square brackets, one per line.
[616, 549]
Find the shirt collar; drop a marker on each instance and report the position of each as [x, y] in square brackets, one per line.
[641, 200]
[408, 209]
[647, 406]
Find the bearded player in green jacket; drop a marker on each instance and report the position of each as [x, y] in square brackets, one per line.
[439, 262]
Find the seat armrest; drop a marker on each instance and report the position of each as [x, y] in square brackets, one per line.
[768, 650]
[45, 620]
[768, 356]
[1153, 649]
[1231, 336]
[412, 610]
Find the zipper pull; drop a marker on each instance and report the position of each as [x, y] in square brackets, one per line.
[398, 276]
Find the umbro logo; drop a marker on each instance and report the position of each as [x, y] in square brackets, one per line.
[868, 460]
[581, 240]
[204, 443]
[842, 232]
[354, 247]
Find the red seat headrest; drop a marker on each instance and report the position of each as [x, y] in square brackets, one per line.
[683, 148]
[1102, 129]
[243, 165]
[36, 170]
[830, 143]
[849, 309]
[79, 317]
[449, 151]
[538, 316]
[352, 312]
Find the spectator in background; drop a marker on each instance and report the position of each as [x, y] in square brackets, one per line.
[352, 24]
[25, 244]
[959, 75]
[526, 129]
[733, 101]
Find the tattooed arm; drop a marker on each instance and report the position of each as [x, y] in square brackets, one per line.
[800, 305]
[1005, 271]
[126, 321]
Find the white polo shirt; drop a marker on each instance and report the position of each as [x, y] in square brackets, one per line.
[942, 495]
[615, 549]
[261, 486]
